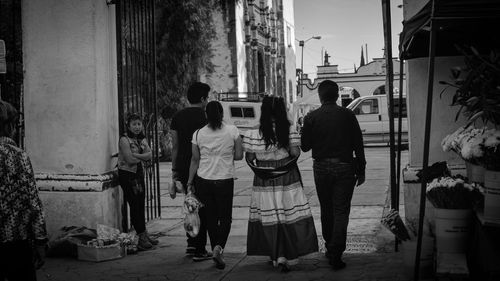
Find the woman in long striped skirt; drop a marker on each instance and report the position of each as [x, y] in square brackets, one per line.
[281, 225]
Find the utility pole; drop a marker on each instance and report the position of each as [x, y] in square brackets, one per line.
[301, 44]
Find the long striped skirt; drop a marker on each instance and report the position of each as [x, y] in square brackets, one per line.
[281, 225]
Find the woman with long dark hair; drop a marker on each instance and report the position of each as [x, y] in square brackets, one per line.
[281, 225]
[211, 176]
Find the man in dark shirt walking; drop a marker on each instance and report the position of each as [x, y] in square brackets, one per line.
[184, 123]
[333, 134]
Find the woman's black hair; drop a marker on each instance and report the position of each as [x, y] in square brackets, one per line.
[215, 113]
[132, 117]
[274, 123]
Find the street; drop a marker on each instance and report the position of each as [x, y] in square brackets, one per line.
[370, 247]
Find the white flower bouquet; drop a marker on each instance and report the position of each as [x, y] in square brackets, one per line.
[451, 193]
[466, 142]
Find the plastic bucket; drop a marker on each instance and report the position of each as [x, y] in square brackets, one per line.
[475, 173]
[492, 195]
[409, 249]
[453, 227]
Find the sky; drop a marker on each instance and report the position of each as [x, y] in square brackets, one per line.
[344, 26]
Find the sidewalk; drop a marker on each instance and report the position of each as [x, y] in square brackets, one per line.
[370, 251]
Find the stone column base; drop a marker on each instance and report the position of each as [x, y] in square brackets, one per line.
[80, 200]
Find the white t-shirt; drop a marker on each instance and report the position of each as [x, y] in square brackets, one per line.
[216, 151]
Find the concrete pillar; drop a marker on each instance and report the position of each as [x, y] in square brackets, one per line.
[443, 123]
[71, 109]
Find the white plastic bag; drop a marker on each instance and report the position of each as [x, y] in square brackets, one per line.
[192, 219]
[192, 223]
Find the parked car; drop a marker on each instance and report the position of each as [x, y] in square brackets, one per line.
[241, 109]
[373, 118]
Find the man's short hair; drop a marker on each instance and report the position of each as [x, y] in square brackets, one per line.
[328, 91]
[197, 91]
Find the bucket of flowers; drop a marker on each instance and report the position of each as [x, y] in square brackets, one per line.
[453, 199]
[491, 160]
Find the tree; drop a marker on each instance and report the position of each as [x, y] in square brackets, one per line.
[184, 31]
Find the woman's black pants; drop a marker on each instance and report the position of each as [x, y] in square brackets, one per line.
[217, 198]
[134, 197]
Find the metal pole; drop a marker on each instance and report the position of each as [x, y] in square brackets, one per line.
[386, 11]
[302, 70]
[155, 95]
[425, 164]
[400, 117]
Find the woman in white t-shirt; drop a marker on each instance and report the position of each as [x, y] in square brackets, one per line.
[211, 176]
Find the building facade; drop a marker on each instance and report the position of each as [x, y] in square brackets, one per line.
[253, 50]
[367, 80]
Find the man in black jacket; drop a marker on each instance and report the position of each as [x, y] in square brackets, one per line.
[333, 134]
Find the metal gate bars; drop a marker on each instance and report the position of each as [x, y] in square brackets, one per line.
[137, 83]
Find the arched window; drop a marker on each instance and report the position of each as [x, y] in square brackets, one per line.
[379, 91]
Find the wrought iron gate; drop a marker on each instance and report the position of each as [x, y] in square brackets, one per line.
[137, 83]
[11, 83]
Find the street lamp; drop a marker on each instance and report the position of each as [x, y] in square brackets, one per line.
[301, 44]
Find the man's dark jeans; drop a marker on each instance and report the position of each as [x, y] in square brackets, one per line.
[334, 186]
[217, 198]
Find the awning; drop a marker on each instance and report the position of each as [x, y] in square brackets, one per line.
[462, 22]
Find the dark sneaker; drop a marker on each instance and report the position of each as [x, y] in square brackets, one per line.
[202, 256]
[219, 258]
[143, 243]
[190, 251]
[337, 264]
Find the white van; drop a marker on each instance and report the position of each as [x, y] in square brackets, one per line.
[241, 109]
[373, 118]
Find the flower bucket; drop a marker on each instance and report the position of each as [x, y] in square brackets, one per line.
[475, 173]
[453, 227]
[409, 249]
[492, 195]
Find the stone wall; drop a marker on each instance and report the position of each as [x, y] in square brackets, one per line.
[71, 109]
